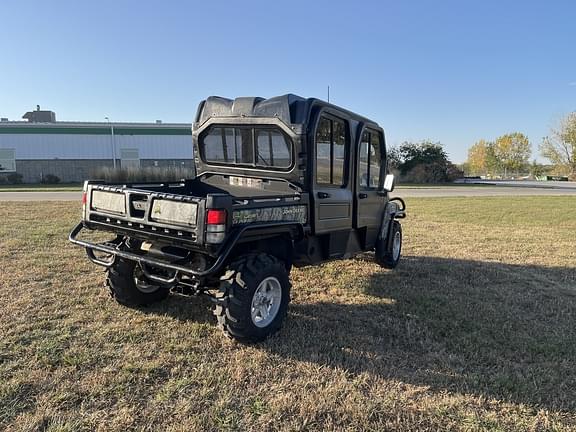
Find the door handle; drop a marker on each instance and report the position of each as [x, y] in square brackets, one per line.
[323, 195]
[362, 195]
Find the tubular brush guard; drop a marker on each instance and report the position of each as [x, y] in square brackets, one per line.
[143, 260]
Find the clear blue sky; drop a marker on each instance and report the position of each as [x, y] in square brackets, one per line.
[450, 71]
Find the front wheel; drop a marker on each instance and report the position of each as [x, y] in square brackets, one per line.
[253, 298]
[388, 253]
[130, 287]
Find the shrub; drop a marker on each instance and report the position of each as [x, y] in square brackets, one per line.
[453, 172]
[50, 179]
[425, 173]
[14, 178]
[433, 173]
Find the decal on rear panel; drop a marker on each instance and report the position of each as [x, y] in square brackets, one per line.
[295, 213]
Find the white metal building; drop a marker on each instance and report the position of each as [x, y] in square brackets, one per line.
[72, 150]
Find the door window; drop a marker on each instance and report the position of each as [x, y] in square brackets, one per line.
[323, 150]
[363, 160]
[331, 152]
[375, 160]
[369, 160]
[339, 152]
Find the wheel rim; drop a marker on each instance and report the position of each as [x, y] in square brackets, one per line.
[266, 302]
[396, 245]
[142, 284]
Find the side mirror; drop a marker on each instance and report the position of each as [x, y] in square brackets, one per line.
[389, 183]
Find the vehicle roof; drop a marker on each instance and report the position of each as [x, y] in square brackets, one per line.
[290, 108]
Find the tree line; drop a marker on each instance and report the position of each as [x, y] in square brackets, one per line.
[509, 155]
[422, 162]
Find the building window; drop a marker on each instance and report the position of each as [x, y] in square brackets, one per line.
[7, 160]
[330, 151]
[370, 160]
[130, 158]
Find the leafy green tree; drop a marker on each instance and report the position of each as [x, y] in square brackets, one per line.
[513, 152]
[393, 157]
[493, 164]
[425, 162]
[560, 147]
[425, 152]
[479, 157]
[536, 169]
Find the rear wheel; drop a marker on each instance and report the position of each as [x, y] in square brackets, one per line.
[253, 298]
[388, 253]
[130, 287]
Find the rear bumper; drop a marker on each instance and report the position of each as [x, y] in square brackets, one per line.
[143, 260]
[140, 259]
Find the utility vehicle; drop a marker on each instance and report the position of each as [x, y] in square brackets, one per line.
[280, 182]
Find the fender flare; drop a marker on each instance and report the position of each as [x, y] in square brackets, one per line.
[395, 209]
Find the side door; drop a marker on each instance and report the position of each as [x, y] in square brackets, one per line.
[368, 204]
[331, 184]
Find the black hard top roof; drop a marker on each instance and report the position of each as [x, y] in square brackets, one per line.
[289, 108]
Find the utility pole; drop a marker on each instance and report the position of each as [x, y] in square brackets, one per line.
[113, 142]
[328, 94]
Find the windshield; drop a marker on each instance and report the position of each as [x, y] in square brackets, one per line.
[261, 147]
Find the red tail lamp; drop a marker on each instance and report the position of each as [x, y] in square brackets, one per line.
[216, 217]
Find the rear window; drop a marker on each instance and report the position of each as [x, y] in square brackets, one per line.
[257, 147]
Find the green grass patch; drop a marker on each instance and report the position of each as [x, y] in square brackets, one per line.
[512, 211]
[475, 330]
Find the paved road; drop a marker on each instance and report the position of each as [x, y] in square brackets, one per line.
[444, 191]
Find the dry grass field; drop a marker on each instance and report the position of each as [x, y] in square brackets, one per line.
[476, 330]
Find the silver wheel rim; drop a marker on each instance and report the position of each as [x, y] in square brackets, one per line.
[142, 283]
[266, 302]
[397, 244]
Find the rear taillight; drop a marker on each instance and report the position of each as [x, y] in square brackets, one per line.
[216, 217]
[84, 199]
[215, 226]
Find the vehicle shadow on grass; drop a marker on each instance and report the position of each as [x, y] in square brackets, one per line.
[183, 308]
[481, 328]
